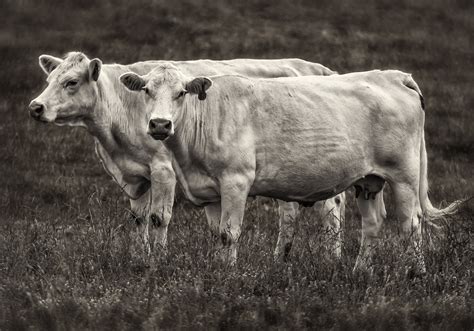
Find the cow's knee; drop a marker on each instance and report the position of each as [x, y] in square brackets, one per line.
[137, 220]
[228, 238]
[155, 220]
[158, 221]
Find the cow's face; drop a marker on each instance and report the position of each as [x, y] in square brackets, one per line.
[166, 88]
[72, 91]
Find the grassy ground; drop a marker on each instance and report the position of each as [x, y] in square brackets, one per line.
[65, 261]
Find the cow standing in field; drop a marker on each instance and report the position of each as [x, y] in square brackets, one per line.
[297, 139]
[85, 93]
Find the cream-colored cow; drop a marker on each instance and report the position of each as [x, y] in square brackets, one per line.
[296, 139]
[83, 92]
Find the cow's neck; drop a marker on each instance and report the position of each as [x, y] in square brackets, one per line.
[181, 162]
[114, 120]
[184, 166]
[189, 145]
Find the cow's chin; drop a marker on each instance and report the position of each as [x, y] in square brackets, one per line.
[41, 119]
[69, 120]
[161, 137]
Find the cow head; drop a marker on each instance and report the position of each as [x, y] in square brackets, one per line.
[71, 92]
[166, 89]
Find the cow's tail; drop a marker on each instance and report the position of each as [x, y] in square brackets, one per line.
[431, 214]
[429, 211]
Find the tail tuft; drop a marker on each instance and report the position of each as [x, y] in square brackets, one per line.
[433, 216]
[431, 213]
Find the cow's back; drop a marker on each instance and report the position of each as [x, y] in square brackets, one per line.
[247, 67]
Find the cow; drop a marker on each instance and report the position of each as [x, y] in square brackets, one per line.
[85, 93]
[298, 139]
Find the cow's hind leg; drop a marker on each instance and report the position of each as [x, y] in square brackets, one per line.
[370, 210]
[409, 213]
[287, 217]
[380, 205]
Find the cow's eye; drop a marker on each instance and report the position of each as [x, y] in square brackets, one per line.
[181, 94]
[146, 90]
[71, 83]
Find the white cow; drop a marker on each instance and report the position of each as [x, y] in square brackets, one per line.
[296, 139]
[83, 92]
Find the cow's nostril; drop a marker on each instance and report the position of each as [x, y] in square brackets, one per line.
[152, 125]
[168, 125]
[38, 110]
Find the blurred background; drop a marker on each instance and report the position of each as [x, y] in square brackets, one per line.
[64, 232]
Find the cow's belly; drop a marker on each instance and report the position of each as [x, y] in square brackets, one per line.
[303, 187]
[309, 176]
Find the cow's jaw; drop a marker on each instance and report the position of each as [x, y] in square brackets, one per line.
[73, 120]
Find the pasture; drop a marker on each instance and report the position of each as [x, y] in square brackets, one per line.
[66, 228]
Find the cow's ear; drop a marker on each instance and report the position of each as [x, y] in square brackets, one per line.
[132, 81]
[48, 63]
[94, 69]
[199, 86]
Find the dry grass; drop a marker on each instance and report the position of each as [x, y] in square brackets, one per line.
[65, 261]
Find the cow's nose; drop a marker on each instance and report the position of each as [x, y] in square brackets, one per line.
[36, 109]
[159, 128]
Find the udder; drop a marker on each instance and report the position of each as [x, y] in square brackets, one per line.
[369, 186]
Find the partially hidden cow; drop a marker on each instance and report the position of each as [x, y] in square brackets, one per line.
[86, 93]
[297, 139]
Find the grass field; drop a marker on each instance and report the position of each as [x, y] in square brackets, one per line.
[65, 261]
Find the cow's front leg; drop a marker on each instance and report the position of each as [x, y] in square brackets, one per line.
[213, 215]
[234, 192]
[163, 183]
[140, 208]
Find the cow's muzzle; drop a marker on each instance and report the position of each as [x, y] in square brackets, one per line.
[160, 128]
[36, 110]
